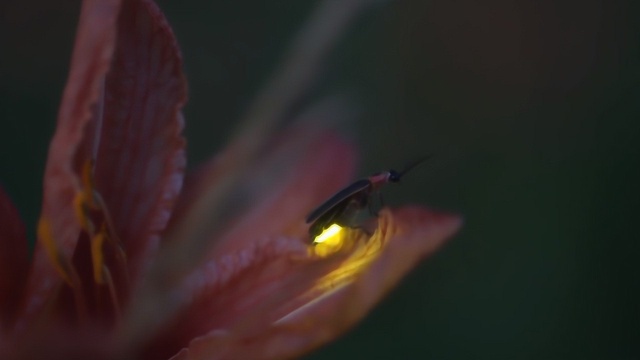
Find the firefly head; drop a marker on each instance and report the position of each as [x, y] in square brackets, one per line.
[394, 176]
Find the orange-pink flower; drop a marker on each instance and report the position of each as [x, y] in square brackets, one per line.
[131, 263]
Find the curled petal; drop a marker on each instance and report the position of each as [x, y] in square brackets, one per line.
[343, 296]
[90, 62]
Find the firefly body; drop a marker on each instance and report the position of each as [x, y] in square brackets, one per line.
[342, 208]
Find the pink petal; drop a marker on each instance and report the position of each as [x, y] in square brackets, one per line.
[342, 297]
[122, 107]
[13, 260]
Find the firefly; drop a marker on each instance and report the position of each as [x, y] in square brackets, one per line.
[341, 209]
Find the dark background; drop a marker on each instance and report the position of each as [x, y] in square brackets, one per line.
[531, 108]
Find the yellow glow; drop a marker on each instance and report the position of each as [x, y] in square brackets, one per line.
[330, 241]
[330, 232]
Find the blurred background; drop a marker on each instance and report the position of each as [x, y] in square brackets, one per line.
[531, 109]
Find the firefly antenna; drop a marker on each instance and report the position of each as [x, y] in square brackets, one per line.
[414, 164]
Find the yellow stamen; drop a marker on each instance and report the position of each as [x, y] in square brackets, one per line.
[63, 266]
[89, 199]
[60, 263]
[80, 202]
[97, 257]
[111, 230]
[88, 185]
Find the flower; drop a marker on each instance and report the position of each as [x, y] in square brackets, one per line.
[130, 263]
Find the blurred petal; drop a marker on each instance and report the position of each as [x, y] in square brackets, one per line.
[259, 247]
[327, 165]
[13, 260]
[90, 62]
[342, 297]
